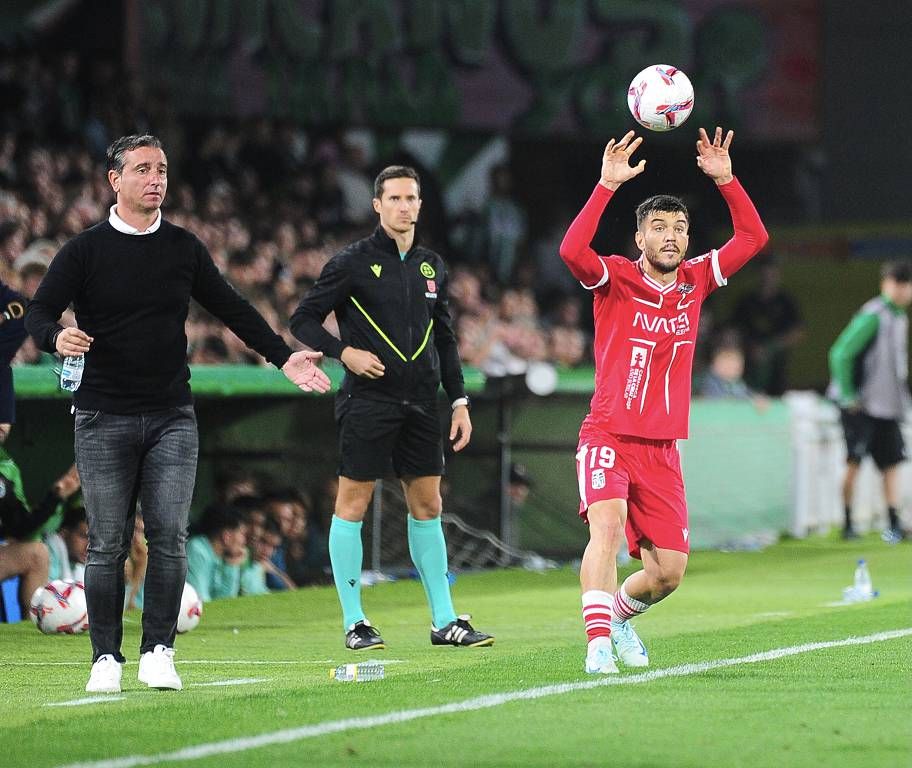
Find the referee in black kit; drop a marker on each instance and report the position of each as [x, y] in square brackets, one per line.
[390, 299]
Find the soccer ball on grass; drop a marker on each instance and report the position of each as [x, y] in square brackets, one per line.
[59, 607]
[190, 611]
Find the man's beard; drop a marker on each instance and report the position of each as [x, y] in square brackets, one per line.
[659, 266]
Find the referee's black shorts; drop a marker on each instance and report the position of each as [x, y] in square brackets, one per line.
[882, 438]
[377, 437]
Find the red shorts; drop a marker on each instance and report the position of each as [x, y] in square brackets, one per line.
[647, 474]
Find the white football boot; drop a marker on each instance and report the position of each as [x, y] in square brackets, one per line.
[629, 647]
[599, 658]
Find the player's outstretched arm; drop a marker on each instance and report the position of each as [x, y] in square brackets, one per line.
[575, 249]
[750, 235]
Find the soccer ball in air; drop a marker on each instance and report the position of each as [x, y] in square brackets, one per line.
[660, 97]
[59, 607]
[190, 611]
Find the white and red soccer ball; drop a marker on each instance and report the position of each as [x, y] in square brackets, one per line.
[191, 610]
[59, 607]
[660, 97]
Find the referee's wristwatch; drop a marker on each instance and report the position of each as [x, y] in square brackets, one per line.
[461, 401]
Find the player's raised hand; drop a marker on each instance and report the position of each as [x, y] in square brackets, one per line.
[616, 168]
[712, 156]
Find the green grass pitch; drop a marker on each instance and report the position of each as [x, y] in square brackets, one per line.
[259, 667]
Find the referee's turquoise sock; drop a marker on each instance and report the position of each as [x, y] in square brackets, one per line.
[428, 550]
[346, 553]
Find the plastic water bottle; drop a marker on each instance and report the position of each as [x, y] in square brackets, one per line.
[357, 673]
[864, 589]
[71, 372]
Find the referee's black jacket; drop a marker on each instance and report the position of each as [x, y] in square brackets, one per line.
[396, 308]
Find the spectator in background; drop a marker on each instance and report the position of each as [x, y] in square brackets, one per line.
[725, 377]
[770, 324]
[869, 366]
[21, 554]
[262, 546]
[234, 482]
[69, 547]
[212, 350]
[307, 549]
[505, 225]
[289, 511]
[215, 555]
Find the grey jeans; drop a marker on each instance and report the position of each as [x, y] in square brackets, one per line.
[150, 457]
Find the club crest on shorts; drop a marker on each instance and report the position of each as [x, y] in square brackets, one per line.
[598, 479]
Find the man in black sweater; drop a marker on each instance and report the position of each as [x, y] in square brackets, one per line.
[130, 280]
[389, 295]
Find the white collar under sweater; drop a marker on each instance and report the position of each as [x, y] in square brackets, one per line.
[121, 226]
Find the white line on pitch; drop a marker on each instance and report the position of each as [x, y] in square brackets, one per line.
[88, 700]
[289, 735]
[210, 662]
[238, 681]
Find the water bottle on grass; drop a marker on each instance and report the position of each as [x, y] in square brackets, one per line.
[358, 673]
[862, 588]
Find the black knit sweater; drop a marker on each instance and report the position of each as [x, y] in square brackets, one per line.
[131, 293]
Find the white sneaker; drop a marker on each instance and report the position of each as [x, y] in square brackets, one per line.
[599, 658]
[156, 669]
[629, 647]
[105, 677]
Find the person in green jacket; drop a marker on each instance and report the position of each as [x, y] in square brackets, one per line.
[869, 369]
[22, 553]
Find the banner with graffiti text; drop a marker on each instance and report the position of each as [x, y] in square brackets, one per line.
[523, 67]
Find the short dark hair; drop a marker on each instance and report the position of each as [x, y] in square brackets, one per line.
[899, 270]
[117, 152]
[667, 203]
[395, 172]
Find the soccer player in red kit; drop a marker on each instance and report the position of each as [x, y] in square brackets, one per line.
[646, 316]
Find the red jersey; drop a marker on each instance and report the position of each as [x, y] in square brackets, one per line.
[645, 332]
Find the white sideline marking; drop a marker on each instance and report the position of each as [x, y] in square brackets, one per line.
[231, 746]
[238, 681]
[88, 700]
[210, 662]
